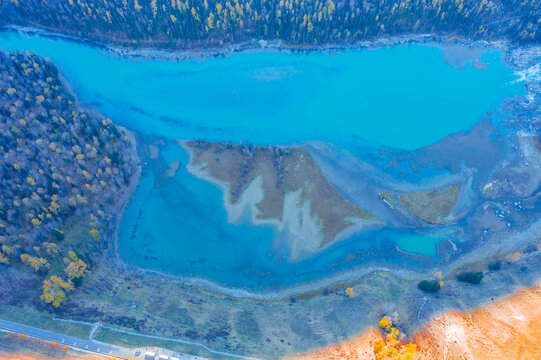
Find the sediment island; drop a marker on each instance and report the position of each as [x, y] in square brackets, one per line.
[282, 187]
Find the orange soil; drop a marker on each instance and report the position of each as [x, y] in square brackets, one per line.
[508, 329]
[28, 356]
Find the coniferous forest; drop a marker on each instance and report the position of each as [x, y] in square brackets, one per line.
[193, 23]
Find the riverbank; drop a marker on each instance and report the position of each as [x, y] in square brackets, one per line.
[455, 258]
[451, 253]
[110, 235]
[202, 54]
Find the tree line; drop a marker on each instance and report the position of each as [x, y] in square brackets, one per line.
[190, 23]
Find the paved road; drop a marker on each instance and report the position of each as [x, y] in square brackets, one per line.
[99, 347]
[87, 345]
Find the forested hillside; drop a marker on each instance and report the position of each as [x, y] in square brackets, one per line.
[189, 23]
[61, 167]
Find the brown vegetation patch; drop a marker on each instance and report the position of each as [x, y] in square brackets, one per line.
[283, 170]
[431, 205]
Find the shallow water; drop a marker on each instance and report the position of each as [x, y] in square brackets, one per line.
[401, 97]
[173, 228]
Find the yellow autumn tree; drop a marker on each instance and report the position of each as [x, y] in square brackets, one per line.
[385, 323]
[95, 234]
[54, 290]
[76, 269]
[73, 255]
[36, 263]
[391, 348]
[8, 250]
[3, 259]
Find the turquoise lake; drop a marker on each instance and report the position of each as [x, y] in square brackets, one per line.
[403, 97]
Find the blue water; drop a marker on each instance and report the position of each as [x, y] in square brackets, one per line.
[418, 244]
[402, 97]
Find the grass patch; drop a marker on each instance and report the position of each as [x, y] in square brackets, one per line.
[31, 317]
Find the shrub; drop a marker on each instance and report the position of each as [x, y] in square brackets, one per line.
[495, 265]
[470, 277]
[325, 291]
[429, 286]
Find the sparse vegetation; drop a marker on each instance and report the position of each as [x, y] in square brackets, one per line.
[433, 206]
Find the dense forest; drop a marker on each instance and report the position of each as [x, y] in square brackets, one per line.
[59, 165]
[192, 23]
